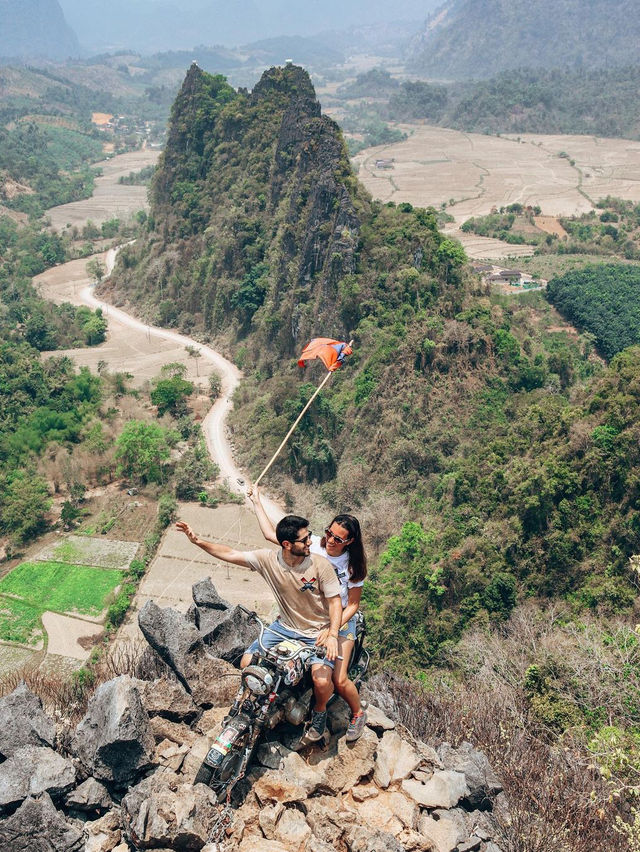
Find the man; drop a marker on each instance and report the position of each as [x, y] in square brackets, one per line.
[307, 591]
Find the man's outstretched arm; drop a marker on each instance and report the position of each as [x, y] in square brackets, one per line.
[220, 551]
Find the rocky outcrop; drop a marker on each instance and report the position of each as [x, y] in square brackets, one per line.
[114, 742]
[129, 782]
[23, 722]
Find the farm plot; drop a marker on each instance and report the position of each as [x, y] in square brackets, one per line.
[35, 587]
[98, 552]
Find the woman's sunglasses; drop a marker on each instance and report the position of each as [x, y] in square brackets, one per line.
[336, 538]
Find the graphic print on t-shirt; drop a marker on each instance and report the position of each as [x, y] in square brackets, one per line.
[308, 584]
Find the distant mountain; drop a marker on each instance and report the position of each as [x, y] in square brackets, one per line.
[157, 25]
[35, 28]
[479, 38]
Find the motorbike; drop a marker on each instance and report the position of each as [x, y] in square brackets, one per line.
[275, 687]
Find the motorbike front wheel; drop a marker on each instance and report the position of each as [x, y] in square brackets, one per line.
[219, 777]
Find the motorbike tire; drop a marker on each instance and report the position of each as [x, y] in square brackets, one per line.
[204, 775]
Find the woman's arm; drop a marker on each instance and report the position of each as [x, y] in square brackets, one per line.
[266, 527]
[353, 604]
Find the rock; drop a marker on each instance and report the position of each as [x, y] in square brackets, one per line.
[293, 831]
[348, 763]
[23, 722]
[33, 770]
[482, 781]
[268, 819]
[213, 682]
[329, 819]
[443, 790]
[205, 596]
[338, 717]
[272, 754]
[172, 637]
[293, 782]
[378, 720]
[104, 834]
[211, 720]
[114, 740]
[38, 827]
[91, 795]
[395, 759]
[161, 811]
[444, 833]
[390, 812]
[196, 754]
[470, 845]
[168, 698]
[260, 844]
[363, 792]
[363, 839]
[170, 754]
[228, 633]
[165, 729]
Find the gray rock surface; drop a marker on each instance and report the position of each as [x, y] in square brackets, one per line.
[32, 770]
[38, 827]
[161, 811]
[168, 698]
[91, 795]
[482, 781]
[114, 741]
[205, 596]
[23, 722]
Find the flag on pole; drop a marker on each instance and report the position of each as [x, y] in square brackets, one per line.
[331, 352]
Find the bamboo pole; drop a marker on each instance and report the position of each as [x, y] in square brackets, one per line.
[299, 418]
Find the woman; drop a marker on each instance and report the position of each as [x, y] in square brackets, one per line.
[342, 545]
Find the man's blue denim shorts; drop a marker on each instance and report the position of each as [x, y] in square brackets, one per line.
[270, 639]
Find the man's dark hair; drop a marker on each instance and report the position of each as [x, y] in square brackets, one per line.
[289, 526]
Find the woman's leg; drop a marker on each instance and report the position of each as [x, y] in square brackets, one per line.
[345, 687]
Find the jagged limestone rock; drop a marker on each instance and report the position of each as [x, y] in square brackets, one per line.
[163, 811]
[211, 682]
[482, 781]
[445, 833]
[205, 596]
[104, 834]
[32, 770]
[395, 759]
[227, 633]
[114, 740]
[443, 790]
[23, 722]
[168, 698]
[91, 795]
[37, 825]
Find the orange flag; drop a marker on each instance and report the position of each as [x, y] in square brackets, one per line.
[331, 352]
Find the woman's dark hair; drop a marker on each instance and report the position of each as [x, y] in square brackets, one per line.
[289, 526]
[355, 549]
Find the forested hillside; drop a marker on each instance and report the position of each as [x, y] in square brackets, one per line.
[35, 28]
[477, 38]
[496, 450]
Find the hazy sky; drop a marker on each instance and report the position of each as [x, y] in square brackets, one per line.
[171, 24]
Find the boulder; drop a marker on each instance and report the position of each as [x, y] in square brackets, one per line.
[104, 834]
[293, 782]
[227, 633]
[395, 759]
[114, 741]
[378, 720]
[211, 682]
[329, 819]
[364, 839]
[272, 754]
[161, 811]
[168, 698]
[37, 825]
[292, 830]
[33, 770]
[482, 781]
[346, 763]
[444, 833]
[443, 790]
[205, 596]
[91, 795]
[23, 722]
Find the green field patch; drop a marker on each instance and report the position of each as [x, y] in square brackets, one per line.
[19, 622]
[98, 552]
[59, 587]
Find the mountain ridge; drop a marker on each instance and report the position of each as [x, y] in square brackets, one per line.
[35, 29]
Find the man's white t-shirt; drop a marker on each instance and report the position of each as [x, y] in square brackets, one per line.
[341, 567]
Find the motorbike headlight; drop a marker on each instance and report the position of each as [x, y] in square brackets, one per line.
[257, 679]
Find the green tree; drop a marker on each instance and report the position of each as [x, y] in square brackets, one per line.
[141, 450]
[24, 506]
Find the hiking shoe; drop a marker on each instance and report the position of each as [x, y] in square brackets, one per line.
[356, 727]
[318, 725]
